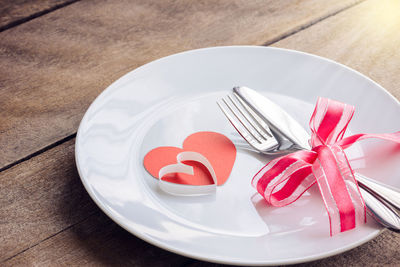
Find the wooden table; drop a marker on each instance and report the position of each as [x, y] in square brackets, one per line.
[56, 56]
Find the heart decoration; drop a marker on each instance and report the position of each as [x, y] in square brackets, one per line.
[205, 160]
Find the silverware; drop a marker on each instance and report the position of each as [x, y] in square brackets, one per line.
[270, 130]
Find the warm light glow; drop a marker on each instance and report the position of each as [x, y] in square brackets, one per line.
[388, 13]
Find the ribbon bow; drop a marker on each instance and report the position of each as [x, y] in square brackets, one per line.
[284, 179]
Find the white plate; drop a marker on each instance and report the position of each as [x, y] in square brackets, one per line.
[162, 102]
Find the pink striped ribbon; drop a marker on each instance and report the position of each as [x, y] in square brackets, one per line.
[284, 179]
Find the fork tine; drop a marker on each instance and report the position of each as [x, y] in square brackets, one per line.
[248, 126]
[255, 121]
[239, 127]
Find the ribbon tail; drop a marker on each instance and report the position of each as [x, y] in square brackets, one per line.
[343, 201]
[348, 141]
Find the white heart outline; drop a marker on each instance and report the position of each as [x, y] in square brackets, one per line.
[180, 167]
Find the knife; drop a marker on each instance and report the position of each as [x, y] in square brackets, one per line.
[379, 199]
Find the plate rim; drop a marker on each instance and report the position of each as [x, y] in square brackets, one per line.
[193, 254]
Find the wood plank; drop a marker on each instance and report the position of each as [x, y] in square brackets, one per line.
[96, 242]
[365, 37]
[16, 12]
[54, 66]
[39, 198]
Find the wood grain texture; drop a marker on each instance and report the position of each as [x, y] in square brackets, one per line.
[96, 241]
[39, 198]
[54, 66]
[18, 11]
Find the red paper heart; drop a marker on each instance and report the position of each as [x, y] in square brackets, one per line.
[217, 148]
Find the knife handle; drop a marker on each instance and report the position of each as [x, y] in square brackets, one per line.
[380, 211]
[383, 192]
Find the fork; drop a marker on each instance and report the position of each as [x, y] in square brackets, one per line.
[252, 128]
[258, 135]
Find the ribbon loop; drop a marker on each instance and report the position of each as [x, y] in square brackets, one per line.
[329, 121]
[283, 180]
